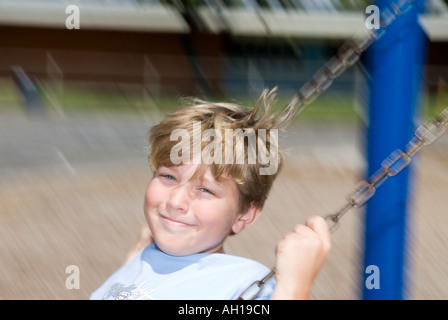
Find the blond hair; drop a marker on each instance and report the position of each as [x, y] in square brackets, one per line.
[253, 187]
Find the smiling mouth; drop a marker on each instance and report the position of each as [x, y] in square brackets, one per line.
[174, 223]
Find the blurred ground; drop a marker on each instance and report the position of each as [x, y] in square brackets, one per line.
[71, 193]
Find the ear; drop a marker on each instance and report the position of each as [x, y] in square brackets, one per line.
[245, 219]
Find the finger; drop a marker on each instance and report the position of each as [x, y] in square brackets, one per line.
[303, 230]
[320, 226]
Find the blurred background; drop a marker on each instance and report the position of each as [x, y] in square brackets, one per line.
[76, 106]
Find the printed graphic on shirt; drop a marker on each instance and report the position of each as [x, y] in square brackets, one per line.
[119, 291]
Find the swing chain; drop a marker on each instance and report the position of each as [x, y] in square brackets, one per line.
[347, 55]
[425, 134]
[258, 285]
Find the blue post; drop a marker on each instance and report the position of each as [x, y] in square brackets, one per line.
[395, 65]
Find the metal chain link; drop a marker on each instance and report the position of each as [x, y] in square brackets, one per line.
[425, 134]
[348, 54]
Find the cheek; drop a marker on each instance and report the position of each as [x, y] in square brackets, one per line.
[218, 216]
[154, 194]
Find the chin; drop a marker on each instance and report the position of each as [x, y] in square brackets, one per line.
[172, 249]
[178, 252]
[181, 249]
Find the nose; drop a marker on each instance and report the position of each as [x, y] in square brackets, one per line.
[178, 200]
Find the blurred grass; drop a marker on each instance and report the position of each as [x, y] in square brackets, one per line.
[85, 98]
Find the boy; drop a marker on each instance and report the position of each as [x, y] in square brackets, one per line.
[214, 165]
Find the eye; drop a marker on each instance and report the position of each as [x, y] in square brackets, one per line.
[207, 191]
[168, 176]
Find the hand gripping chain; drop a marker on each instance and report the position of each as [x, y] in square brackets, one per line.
[425, 134]
[348, 54]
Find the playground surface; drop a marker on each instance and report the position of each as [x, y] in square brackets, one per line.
[71, 193]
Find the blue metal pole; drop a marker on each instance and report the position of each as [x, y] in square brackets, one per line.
[395, 65]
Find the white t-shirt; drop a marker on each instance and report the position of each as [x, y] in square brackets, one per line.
[153, 274]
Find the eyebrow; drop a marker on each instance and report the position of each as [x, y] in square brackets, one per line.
[207, 180]
[201, 178]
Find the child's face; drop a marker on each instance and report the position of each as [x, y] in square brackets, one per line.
[188, 216]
